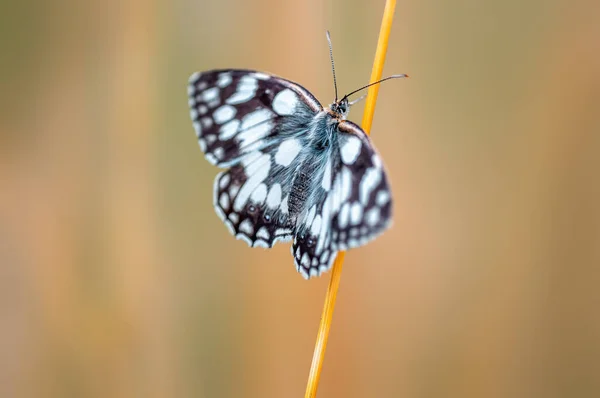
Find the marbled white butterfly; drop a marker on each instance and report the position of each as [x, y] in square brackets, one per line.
[296, 169]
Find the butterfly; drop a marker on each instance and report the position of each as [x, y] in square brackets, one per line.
[295, 170]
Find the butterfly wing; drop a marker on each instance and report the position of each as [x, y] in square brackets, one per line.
[236, 112]
[256, 124]
[251, 198]
[352, 204]
[281, 183]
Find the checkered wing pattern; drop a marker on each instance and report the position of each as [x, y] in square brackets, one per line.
[238, 112]
[352, 203]
[294, 169]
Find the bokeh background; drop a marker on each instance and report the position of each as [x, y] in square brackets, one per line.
[118, 280]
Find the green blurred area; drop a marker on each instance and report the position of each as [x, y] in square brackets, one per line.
[118, 280]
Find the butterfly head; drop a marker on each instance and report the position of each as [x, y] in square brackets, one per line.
[341, 107]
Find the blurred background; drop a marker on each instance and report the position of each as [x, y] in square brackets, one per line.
[117, 279]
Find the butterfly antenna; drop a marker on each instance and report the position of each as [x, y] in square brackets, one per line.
[377, 82]
[332, 65]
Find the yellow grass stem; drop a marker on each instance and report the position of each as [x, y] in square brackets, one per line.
[336, 272]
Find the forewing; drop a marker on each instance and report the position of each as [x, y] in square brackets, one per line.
[237, 112]
[351, 203]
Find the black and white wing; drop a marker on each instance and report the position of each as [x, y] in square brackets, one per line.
[256, 125]
[236, 112]
[352, 203]
[294, 170]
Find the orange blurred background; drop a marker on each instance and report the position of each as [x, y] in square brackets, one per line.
[117, 279]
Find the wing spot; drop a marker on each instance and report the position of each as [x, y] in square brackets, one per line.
[284, 205]
[261, 76]
[229, 129]
[346, 184]
[206, 122]
[261, 243]
[246, 89]
[376, 161]
[256, 117]
[373, 216]
[282, 232]
[224, 201]
[224, 181]
[263, 233]
[351, 149]
[274, 197]
[211, 158]
[211, 94]
[258, 172]
[234, 217]
[343, 216]
[287, 152]
[285, 102]
[255, 126]
[355, 213]
[370, 180]
[197, 128]
[305, 260]
[259, 194]
[202, 144]
[210, 138]
[316, 225]
[219, 153]
[247, 227]
[382, 198]
[224, 113]
[224, 79]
